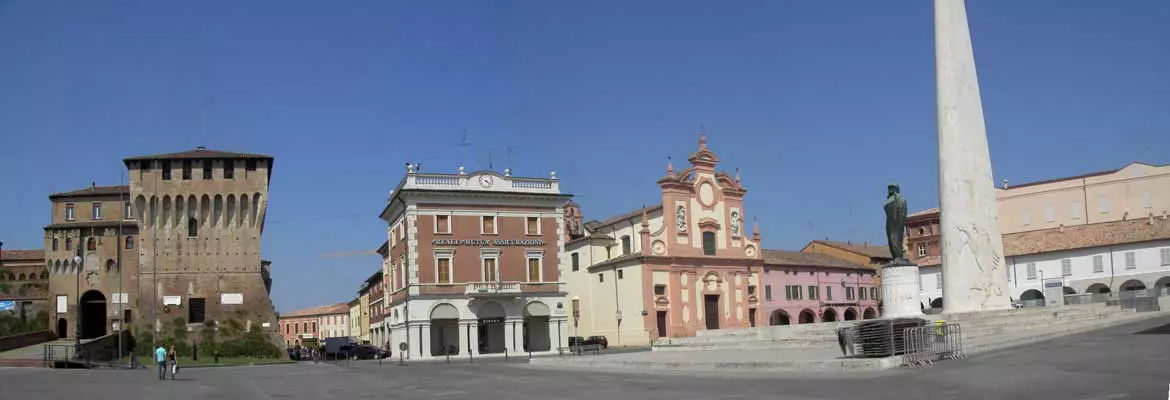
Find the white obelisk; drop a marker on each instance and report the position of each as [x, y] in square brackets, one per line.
[973, 267]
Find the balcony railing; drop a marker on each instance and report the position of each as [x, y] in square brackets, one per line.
[522, 183]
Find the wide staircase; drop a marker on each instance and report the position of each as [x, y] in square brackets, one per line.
[32, 355]
[983, 331]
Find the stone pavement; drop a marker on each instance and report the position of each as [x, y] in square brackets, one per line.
[1113, 363]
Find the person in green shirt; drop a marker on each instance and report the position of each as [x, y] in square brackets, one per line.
[160, 357]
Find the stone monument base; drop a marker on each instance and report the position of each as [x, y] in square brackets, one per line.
[900, 290]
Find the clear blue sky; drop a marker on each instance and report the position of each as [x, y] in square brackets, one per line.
[819, 103]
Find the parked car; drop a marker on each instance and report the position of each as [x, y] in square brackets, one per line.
[366, 352]
[598, 340]
[575, 341]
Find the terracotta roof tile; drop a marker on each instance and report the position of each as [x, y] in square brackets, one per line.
[340, 308]
[1083, 236]
[94, 191]
[796, 258]
[866, 250]
[19, 254]
[632, 214]
[199, 153]
[929, 261]
[928, 211]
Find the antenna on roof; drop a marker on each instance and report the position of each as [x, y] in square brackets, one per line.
[204, 131]
[466, 146]
[509, 160]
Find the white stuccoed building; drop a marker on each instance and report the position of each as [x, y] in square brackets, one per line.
[1096, 258]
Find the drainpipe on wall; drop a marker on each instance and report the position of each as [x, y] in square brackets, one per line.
[1085, 200]
[1112, 272]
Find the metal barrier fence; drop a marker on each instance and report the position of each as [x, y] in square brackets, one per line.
[926, 344]
[55, 354]
[1140, 300]
[579, 349]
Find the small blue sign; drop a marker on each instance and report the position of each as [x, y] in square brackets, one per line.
[1053, 285]
[7, 306]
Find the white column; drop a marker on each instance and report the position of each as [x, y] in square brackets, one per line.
[555, 336]
[514, 335]
[426, 338]
[972, 248]
[471, 333]
[900, 292]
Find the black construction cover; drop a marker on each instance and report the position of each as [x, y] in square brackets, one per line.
[884, 337]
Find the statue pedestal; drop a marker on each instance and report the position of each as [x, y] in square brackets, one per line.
[901, 290]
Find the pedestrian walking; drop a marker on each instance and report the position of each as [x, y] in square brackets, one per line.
[160, 357]
[845, 340]
[171, 356]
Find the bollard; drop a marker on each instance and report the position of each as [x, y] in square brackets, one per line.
[529, 354]
[505, 354]
[400, 361]
[448, 356]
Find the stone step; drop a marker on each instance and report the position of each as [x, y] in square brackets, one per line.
[824, 360]
[27, 363]
[971, 331]
[1018, 314]
[1005, 340]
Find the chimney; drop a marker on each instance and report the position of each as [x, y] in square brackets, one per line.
[1151, 221]
[1005, 185]
[200, 148]
[1061, 228]
[92, 185]
[1163, 215]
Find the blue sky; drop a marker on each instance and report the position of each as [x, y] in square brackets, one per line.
[820, 104]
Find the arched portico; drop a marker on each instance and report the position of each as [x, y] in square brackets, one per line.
[1131, 285]
[869, 313]
[1032, 295]
[1098, 288]
[829, 315]
[807, 316]
[536, 316]
[779, 317]
[444, 330]
[1162, 283]
[491, 327]
[850, 314]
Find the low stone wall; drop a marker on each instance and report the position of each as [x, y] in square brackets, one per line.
[25, 339]
[106, 347]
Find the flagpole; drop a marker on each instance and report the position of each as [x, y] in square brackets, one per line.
[121, 297]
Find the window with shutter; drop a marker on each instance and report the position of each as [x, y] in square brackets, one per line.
[444, 270]
[534, 270]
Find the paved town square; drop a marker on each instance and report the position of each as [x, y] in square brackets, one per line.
[1115, 363]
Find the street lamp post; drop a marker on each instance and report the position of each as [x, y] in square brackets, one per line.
[80, 262]
[576, 321]
[618, 314]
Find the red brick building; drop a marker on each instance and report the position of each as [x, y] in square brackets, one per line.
[473, 264]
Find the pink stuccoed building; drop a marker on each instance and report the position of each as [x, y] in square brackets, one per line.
[805, 288]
